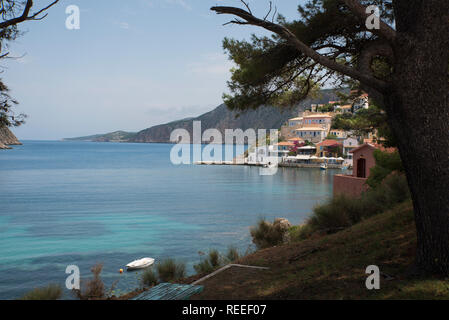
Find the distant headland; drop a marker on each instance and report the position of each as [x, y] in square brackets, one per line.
[221, 118]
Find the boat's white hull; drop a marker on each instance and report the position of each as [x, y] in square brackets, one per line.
[140, 264]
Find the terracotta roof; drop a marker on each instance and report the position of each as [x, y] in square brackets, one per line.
[318, 116]
[285, 143]
[328, 143]
[382, 148]
[295, 139]
[365, 145]
[374, 146]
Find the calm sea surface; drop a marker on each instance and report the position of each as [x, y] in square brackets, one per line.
[80, 203]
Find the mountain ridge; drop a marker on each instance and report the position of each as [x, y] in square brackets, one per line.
[221, 118]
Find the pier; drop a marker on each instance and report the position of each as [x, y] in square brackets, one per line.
[280, 164]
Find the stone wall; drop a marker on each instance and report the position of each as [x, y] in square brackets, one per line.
[349, 185]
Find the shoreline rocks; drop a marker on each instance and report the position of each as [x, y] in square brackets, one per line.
[2, 146]
[7, 138]
[284, 225]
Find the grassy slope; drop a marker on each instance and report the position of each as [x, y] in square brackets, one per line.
[333, 266]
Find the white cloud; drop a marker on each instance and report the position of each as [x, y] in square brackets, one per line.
[124, 25]
[212, 63]
[181, 3]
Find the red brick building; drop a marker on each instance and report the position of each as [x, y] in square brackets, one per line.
[362, 162]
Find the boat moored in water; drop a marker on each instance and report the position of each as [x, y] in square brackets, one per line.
[140, 264]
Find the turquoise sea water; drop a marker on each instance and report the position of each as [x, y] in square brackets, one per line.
[79, 203]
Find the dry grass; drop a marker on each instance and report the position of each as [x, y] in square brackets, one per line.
[170, 270]
[51, 292]
[93, 288]
[149, 277]
[265, 234]
[232, 254]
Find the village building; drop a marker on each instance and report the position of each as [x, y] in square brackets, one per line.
[338, 133]
[312, 134]
[312, 120]
[296, 140]
[361, 102]
[307, 150]
[258, 155]
[285, 146]
[347, 108]
[320, 119]
[329, 148]
[294, 122]
[287, 130]
[362, 162]
[349, 144]
[265, 154]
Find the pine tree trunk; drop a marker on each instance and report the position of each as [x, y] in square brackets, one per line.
[418, 111]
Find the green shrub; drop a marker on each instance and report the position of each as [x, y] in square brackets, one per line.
[211, 262]
[341, 211]
[266, 235]
[386, 163]
[171, 270]
[149, 277]
[50, 292]
[393, 190]
[373, 202]
[302, 232]
[397, 188]
[232, 254]
[203, 267]
[214, 258]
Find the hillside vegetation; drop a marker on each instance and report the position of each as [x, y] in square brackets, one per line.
[333, 266]
[117, 136]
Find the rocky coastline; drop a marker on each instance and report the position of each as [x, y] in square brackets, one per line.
[7, 138]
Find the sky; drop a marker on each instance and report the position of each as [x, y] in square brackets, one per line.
[131, 65]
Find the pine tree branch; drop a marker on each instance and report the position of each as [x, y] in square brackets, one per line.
[285, 33]
[26, 15]
[385, 31]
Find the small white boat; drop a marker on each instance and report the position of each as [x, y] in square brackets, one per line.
[270, 165]
[323, 166]
[140, 264]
